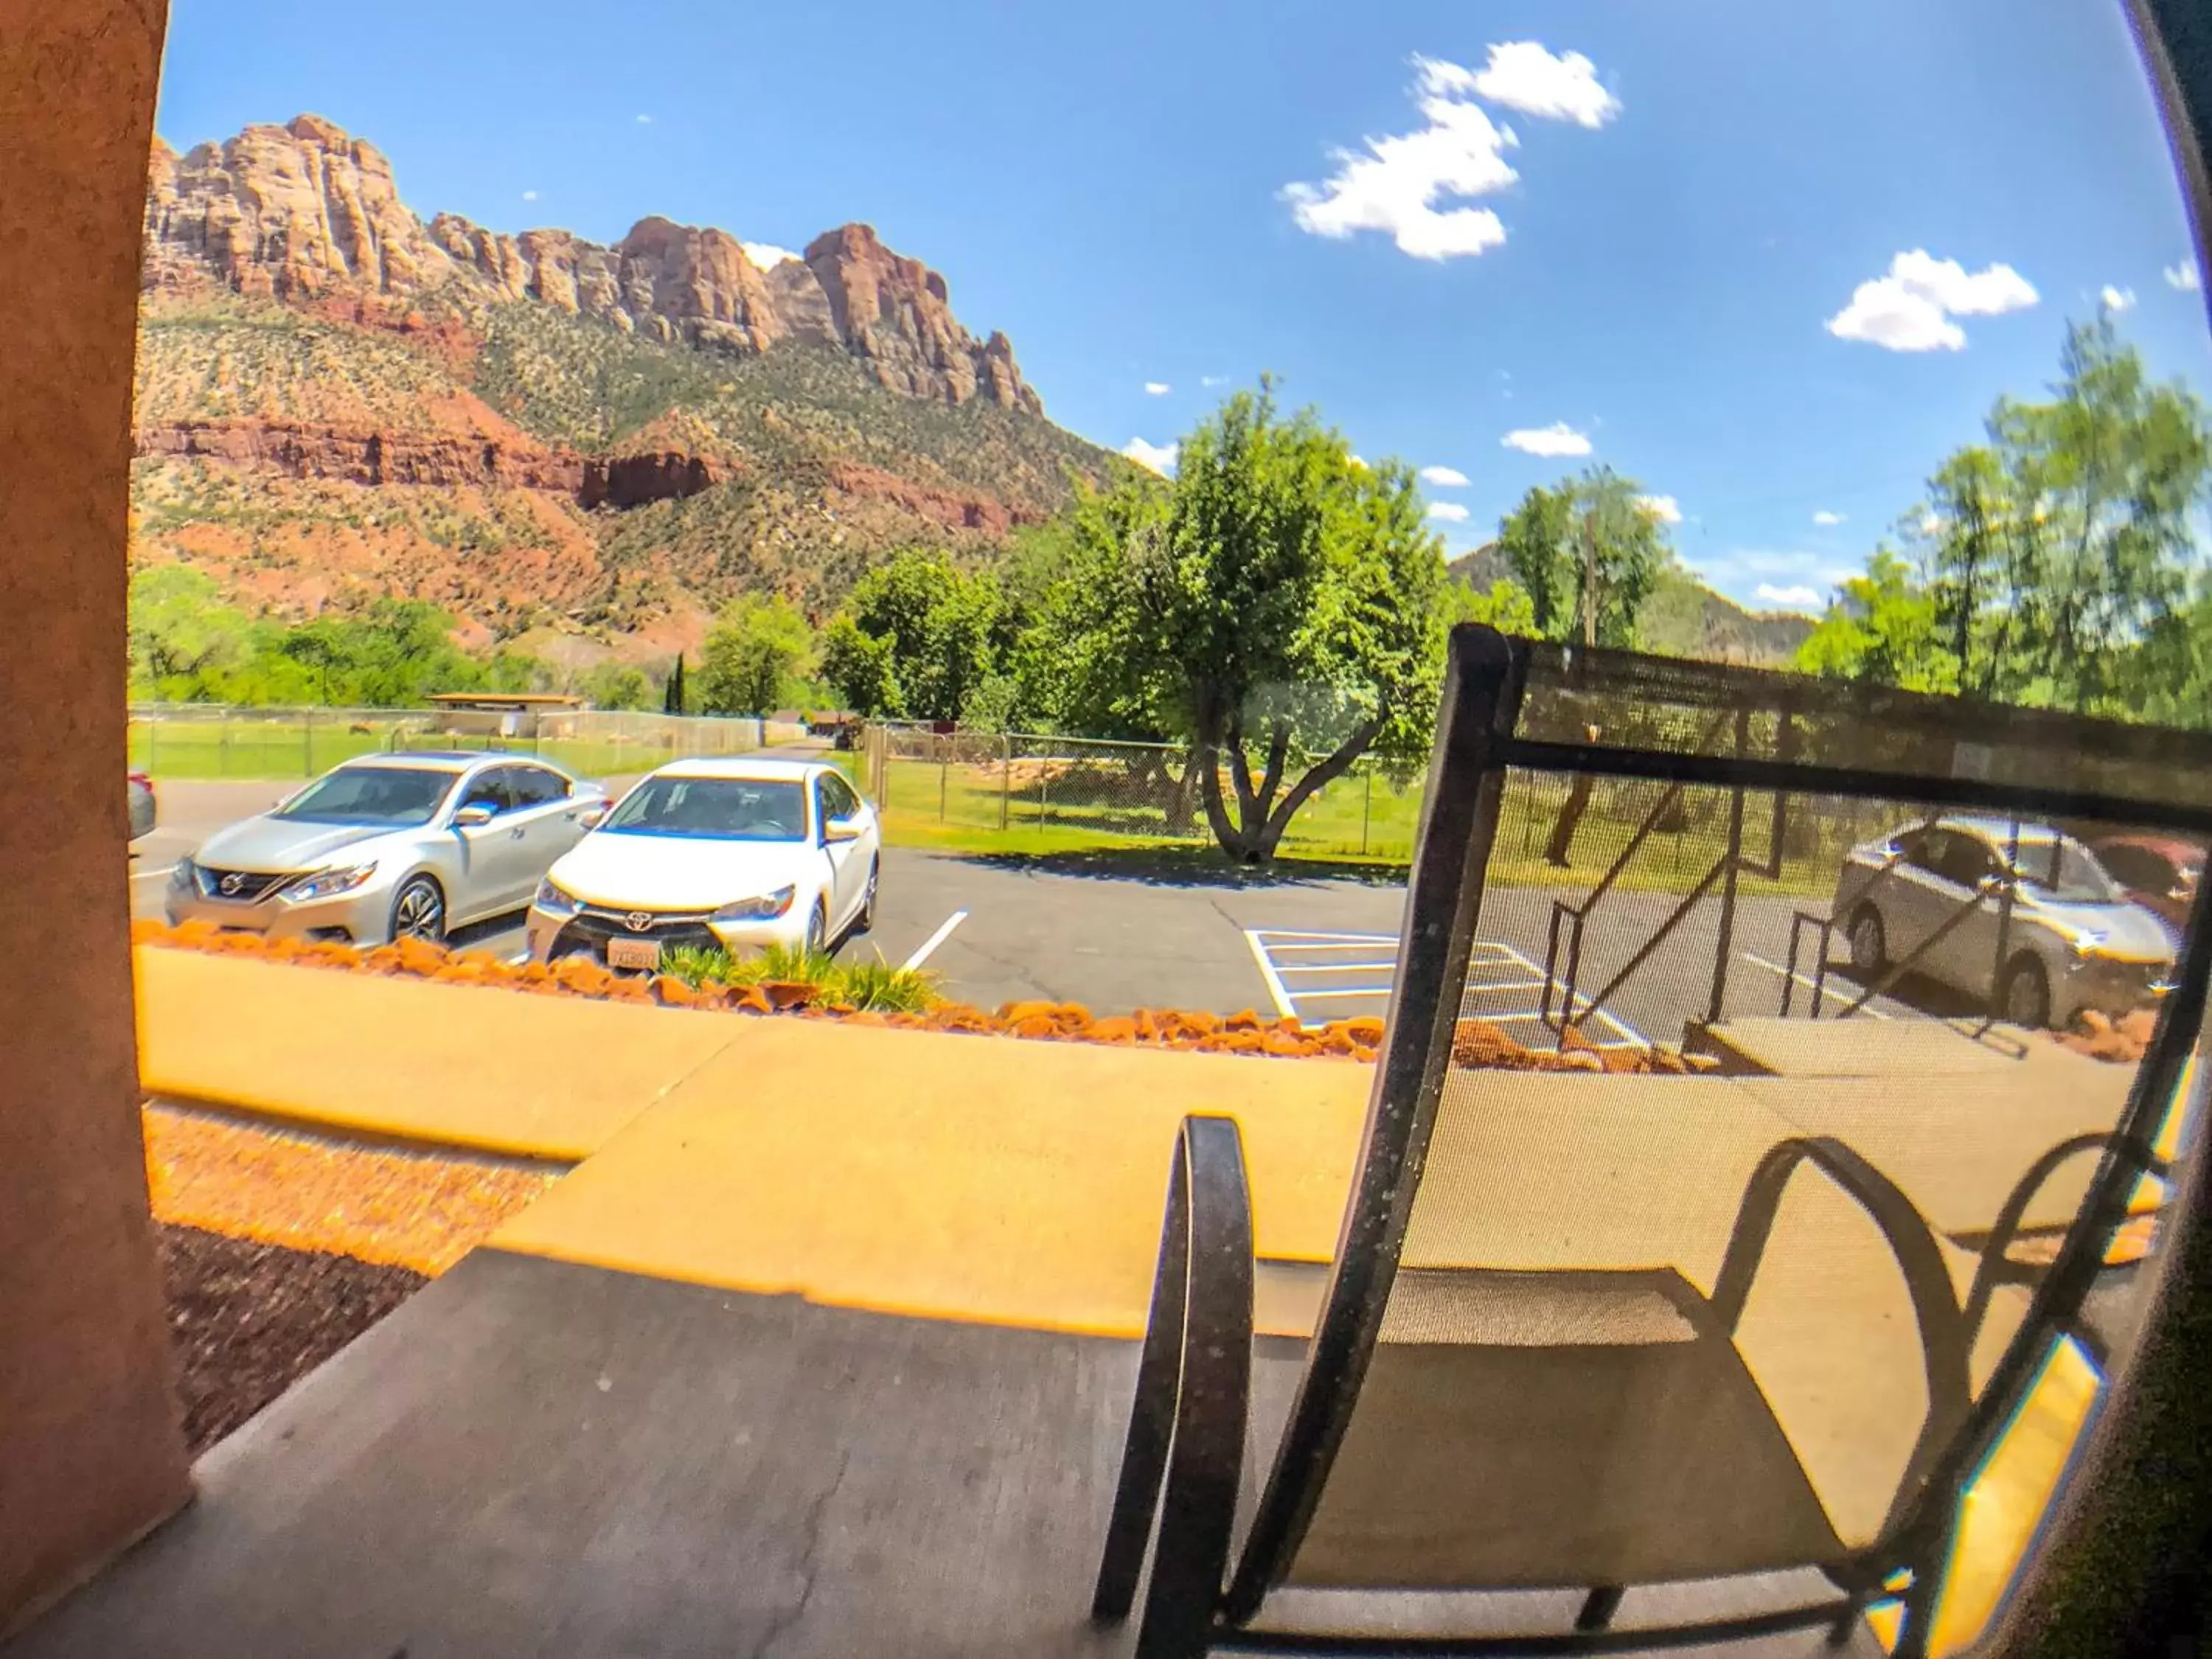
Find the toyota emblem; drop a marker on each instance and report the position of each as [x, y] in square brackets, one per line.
[231, 883]
[638, 920]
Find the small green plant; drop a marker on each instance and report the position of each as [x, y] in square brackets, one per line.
[872, 986]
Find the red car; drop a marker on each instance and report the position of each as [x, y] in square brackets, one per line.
[2158, 872]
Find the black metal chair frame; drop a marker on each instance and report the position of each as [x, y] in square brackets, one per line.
[1184, 1453]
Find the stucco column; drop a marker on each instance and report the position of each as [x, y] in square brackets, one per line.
[90, 1454]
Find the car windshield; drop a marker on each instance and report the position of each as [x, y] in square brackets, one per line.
[396, 795]
[717, 809]
[2065, 872]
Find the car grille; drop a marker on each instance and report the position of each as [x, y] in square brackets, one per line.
[242, 886]
[590, 929]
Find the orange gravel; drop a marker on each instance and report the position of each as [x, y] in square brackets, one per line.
[407, 1209]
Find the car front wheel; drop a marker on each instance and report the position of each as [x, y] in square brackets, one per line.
[868, 922]
[818, 931]
[418, 910]
[2025, 997]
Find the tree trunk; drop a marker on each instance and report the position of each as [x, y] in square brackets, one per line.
[1558, 849]
[1230, 837]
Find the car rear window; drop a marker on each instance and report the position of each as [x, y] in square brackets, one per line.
[714, 809]
[371, 794]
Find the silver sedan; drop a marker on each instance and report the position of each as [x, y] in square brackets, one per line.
[390, 845]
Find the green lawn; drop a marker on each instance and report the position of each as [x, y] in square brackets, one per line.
[1038, 808]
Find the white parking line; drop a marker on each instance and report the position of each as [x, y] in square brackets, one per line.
[1275, 987]
[1785, 973]
[935, 939]
[149, 875]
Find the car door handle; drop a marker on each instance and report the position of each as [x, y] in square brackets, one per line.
[515, 833]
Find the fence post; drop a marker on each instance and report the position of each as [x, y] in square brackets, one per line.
[1005, 776]
[1366, 811]
[308, 744]
[153, 745]
[1044, 810]
[944, 775]
[222, 748]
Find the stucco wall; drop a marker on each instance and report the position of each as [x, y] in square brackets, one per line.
[89, 1452]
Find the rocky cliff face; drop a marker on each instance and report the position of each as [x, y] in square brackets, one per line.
[304, 212]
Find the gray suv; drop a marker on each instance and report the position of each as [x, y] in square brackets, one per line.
[2071, 942]
[390, 845]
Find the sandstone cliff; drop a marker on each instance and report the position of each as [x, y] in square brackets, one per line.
[306, 212]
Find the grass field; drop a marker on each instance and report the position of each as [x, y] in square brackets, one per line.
[1035, 807]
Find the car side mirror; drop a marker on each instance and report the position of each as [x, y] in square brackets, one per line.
[838, 830]
[472, 816]
[595, 813]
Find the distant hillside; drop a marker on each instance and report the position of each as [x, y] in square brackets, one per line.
[1683, 617]
[550, 437]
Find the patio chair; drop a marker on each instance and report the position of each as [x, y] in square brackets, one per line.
[1457, 1427]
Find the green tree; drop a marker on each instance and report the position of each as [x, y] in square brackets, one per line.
[1883, 626]
[757, 648]
[936, 634]
[1506, 607]
[2055, 558]
[1277, 606]
[859, 667]
[616, 685]
[181, 636]
[675, 695]
[1587, 552]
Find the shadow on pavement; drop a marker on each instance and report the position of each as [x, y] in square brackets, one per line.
[1193, 867]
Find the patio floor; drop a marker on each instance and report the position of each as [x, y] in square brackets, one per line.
[538, 1458]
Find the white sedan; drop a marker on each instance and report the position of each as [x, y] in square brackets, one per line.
[740, 854]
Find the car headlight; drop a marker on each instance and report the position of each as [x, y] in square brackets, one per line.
[763, 909]
[327, 883]
[186, 873]
[554, 903]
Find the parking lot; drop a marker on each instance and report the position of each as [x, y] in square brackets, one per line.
[1113, 935]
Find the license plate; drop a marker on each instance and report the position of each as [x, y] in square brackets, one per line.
[633, 953]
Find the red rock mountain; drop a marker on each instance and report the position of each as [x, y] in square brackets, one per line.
[304, 211]
[573, 448]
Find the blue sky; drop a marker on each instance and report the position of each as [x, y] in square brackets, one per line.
[1691, 208]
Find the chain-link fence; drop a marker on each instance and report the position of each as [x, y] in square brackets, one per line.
[1058, 793]
[195, 741]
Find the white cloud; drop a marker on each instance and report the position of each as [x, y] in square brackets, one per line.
[1444, 477]
[2115, 299]
[1665, 509]
[1157, 388]
[1359, 461]
[1161, 458]
[529, 195]
[2183, 277]
[1799, 597]
[1911, 308]
[1395, 186]
[766, 255]
[1210, 380]
[1930, 524]
[1448, 512]
[1522, 75]
[1827, 520]
[1557, 439]
[645, 120]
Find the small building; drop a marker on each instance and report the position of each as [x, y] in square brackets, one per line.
[504, 714]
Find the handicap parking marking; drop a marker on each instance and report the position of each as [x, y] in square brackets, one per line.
[1314, 977]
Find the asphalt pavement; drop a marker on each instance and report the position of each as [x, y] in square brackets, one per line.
[1118, 933]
